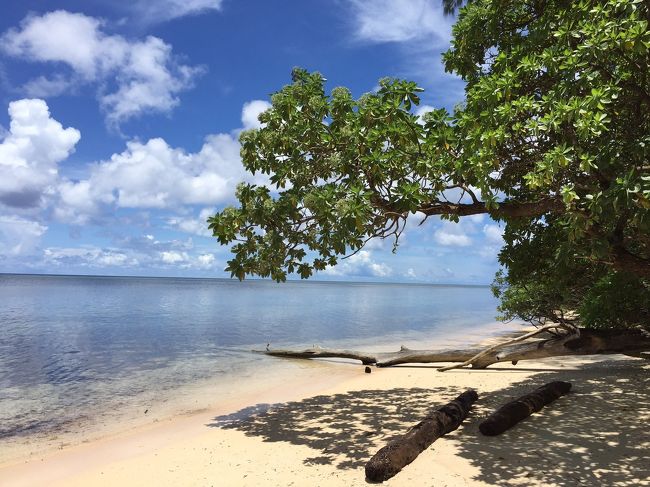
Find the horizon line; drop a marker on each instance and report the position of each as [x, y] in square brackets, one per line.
[310, 280]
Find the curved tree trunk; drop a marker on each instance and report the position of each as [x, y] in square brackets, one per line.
[589, 342]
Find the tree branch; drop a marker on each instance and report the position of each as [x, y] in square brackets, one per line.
[512, 209]
[625, 261]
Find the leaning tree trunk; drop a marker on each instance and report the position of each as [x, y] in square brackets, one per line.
[583, 342]
[392, 458]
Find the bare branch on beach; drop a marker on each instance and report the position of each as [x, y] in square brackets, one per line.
[535, 345]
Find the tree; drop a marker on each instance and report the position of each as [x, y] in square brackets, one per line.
[552, 139]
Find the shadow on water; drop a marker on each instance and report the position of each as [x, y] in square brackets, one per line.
[597, 435]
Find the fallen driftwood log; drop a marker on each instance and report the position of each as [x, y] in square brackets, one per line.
[388, 461]
[548, 341]
[512, 412]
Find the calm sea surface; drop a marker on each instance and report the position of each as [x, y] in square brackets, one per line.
[74, 349]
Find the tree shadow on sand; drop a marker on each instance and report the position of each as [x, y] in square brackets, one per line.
[597, 435]
[346, 429]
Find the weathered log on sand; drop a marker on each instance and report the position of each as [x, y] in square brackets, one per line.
[392, 458]
[318, 352]
[587, 342]
[512, 412]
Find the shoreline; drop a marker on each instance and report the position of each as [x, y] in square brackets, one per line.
[321, 427]
[197, 398]
[228, 389]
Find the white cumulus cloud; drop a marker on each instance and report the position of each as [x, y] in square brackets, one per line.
[493, 234]
[360, 264]
[420, 29]
[144, 252]
[87, 256]
[19, 236]
[161, 10]
[187, 187]
[444, 237]
[173, 257]
[457, 234]
[30, 153]
[421, 111]
[146, 74]
[251, 111]
[184, 260]
[156, 175]
[206, 261]
[197, 226]
[42, 87]
[400, 20]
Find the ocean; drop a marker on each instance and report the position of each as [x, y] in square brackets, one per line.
[79, 352]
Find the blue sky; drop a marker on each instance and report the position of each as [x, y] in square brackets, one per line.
[119, 125]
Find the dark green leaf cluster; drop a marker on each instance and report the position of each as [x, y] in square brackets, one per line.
[334, 161]
[558, 102]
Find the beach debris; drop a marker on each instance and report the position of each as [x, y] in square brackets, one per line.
[550, 340]
[318, 352]
[392, 458]
[368, 370]
[565, 330]
[512, 412]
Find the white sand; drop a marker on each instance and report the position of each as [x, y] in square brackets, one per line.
[340, 416]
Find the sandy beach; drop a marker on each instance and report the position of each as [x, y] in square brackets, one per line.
[320, 428]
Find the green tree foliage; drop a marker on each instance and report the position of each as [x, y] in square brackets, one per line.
[552, 139]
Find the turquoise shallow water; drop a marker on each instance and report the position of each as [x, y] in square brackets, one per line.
[75, 349]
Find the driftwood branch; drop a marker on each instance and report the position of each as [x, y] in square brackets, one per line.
[512, 412]
[392, 458]
[587, 342]
[573, 333]
[318, 352]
